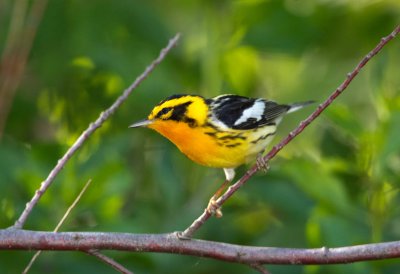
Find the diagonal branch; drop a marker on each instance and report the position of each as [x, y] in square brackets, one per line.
[89, 131]
[120, 268]
[92, 252]
[16, 239]
[271, 154]
[259, 268]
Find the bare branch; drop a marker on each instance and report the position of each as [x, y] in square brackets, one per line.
[303, 124]
[120, 268]
[59, 223]
[89, 131]
[260, 268]
[93, 252]
[72, 205]
[16, 239]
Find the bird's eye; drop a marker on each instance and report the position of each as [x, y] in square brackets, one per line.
[163, 112]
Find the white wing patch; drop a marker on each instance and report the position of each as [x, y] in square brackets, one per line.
[256, 112]
[218, 123]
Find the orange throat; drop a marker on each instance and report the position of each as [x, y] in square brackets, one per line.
[191, 141]
[199, 146]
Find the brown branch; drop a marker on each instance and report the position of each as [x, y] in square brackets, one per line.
[259, 268]
[120, 268]
[303, 124]
[89, 131]
[16, 239]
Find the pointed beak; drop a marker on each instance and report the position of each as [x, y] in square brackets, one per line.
[142, 123]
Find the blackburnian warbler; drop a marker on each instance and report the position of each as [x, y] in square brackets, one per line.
[224, 132]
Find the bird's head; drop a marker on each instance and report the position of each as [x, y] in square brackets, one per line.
[182, 108]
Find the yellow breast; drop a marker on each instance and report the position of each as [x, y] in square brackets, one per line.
[208, 146]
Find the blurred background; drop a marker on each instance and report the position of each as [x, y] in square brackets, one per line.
[337, 184]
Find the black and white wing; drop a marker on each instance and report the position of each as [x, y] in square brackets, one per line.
[240, 112]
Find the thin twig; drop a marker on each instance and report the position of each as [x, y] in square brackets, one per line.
[93, 252]
[18, 239]
[89, 131]
[72, 205]
[59, 223]
[120, 268]
[260, 268]
[188, 233]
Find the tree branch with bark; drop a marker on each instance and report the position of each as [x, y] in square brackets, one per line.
[15, 239]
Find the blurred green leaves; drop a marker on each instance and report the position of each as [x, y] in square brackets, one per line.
[336, 184]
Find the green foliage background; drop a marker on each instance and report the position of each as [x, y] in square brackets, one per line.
[337, 184]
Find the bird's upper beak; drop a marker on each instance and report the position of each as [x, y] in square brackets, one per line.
[142, 123]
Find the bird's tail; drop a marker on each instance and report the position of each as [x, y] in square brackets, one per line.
[296, 106]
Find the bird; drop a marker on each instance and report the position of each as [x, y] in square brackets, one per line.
[225, 131]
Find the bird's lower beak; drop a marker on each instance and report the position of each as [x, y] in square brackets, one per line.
[142, 123]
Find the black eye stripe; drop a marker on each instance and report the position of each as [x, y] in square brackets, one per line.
[163, 112]
[178, 112]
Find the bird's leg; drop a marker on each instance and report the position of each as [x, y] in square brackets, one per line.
[261, 163]
[212, 206]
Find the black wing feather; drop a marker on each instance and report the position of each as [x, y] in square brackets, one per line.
[274, 110]
[229, 109]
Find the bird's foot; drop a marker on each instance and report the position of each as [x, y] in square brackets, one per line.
[213, 208]
[262, 164]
